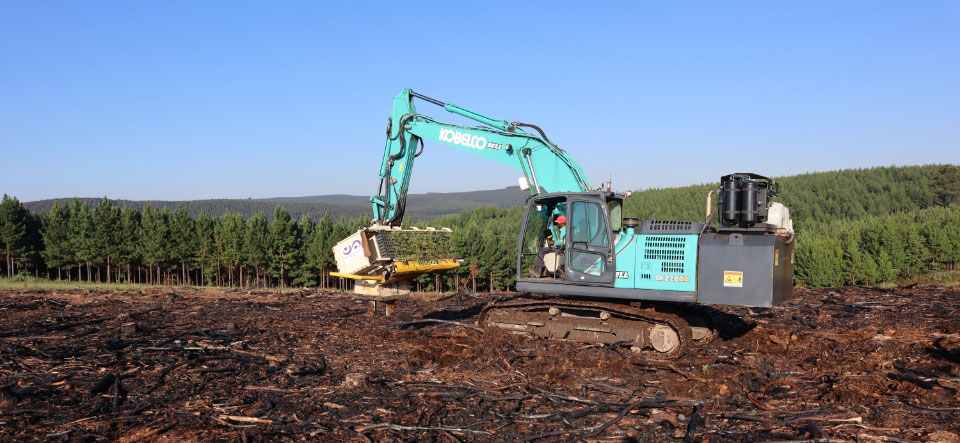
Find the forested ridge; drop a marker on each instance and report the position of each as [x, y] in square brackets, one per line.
[815, 198]
[419, 206]
[428, 204]
[245, 208]
[862, 226]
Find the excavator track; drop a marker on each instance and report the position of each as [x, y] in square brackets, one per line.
[652, 334]
[702, 319]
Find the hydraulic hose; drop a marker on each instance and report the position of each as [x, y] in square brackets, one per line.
[536, 128]
[401, 199]
[556, 149]
[403, 144]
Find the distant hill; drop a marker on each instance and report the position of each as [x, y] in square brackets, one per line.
[432, 203]
[419, 206]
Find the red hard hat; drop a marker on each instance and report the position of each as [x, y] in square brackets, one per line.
[561, 220]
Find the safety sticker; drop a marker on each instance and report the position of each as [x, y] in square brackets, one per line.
[733, 279]
[776, 257]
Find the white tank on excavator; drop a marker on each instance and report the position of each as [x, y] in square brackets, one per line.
[778, 217]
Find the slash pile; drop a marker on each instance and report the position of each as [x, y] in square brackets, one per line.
[839, 364]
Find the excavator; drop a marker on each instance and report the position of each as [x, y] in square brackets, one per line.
[586, 272]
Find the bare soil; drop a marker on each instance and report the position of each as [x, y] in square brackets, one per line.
[841, 364]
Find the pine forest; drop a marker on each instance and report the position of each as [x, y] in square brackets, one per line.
[854, 227]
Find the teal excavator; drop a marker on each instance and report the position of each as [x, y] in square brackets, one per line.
[587, 272]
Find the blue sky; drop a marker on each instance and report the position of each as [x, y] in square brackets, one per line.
[190, 100]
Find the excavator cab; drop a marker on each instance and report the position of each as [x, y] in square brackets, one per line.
[580, 251]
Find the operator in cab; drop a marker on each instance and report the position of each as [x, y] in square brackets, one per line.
[539, 267]
[550, 246]
[559, 226]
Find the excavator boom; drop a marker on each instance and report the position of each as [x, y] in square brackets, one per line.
[545, 167]
[381, 259]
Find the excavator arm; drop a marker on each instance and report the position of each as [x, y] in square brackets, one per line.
[544, 165]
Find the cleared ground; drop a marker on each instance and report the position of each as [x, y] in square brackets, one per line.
[831, 365]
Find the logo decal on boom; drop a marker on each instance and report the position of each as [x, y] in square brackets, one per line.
[466, 140]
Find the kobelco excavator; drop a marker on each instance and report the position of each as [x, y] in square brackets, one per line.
[590, 273]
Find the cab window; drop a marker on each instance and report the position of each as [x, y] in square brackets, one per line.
[616, 215]
[588, 224]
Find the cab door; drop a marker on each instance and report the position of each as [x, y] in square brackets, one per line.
[589, 257]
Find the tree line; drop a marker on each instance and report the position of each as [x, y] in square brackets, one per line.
[106, 243]
[856, 226]
[861, 226]
[159, 246]
[877, 249]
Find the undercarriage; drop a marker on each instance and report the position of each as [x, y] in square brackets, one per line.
[660, 331]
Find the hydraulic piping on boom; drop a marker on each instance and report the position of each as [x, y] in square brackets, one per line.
[543, 164]
[380, 258]
[590, 273]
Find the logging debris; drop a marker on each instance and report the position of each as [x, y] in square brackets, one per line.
[838, 364]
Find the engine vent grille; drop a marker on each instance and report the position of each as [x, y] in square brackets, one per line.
[660, 227]
[671, 267]
[669, 225]
[669, 250]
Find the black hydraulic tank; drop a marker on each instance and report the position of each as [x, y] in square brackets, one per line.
[730, 208]
[748, 204]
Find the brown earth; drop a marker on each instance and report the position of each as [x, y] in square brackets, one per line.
[842, 364]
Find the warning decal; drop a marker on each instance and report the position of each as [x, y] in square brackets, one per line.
[733, 279]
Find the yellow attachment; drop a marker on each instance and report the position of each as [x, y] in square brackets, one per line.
[408, 270]
[357, 277]
[414, 266]
[405, 271]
